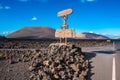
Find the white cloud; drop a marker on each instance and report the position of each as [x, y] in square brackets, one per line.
[7, 7]
[91, 32]
[104, 34]
[90, 0]
[4, 7]
[34, 19]
[116, 34]
[4, 33]
[97, 33]
[83, 1]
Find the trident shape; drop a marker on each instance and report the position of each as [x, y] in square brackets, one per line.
[64, 14]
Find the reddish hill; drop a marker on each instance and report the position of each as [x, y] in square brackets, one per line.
[86, 35]
[34, 33]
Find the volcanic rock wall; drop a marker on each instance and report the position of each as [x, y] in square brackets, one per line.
[62, 62]
[38, 44]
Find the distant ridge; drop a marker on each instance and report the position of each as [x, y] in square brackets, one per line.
[87, 35]
[48, 33]
[34, 33]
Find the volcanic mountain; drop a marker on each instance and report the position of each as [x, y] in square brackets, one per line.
[87, 35]
[34, 33]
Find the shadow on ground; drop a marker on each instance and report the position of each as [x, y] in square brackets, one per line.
[104, 52]
[89, 56]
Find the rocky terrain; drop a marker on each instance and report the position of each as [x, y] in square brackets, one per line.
[44, 43]
[59, 62]
[64, 62]
[30, 61]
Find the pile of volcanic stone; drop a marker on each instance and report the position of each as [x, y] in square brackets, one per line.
[62, 62]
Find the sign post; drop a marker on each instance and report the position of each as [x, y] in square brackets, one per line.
[64, 32]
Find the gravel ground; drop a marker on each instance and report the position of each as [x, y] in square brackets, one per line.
[18, 70]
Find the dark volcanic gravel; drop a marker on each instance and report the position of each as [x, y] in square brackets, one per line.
[60, 62]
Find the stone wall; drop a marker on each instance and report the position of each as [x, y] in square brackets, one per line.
[62, 62]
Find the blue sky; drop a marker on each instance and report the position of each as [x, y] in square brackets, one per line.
[98, 16]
